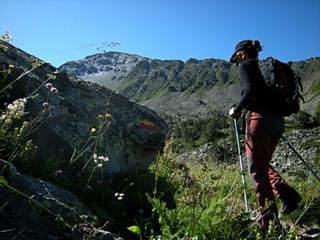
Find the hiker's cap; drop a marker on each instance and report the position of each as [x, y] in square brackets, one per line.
[245, 44]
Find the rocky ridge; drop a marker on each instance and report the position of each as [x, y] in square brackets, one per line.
[191, 89]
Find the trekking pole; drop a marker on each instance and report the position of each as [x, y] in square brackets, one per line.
[242, 168]
[302, 160]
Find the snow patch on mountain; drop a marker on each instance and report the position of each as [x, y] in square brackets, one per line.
[103, 68]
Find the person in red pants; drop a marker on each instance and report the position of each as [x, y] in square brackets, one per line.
[263, 131]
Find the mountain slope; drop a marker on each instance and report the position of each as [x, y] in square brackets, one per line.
[192, 88]
[309, 71]
[165, 86]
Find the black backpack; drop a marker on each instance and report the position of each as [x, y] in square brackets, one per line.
[285, 86]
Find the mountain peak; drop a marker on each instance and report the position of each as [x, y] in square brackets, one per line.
[108, 65]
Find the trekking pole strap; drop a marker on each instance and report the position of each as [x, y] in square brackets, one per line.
[300, 157]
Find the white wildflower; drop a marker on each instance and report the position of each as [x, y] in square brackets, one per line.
[102, 158]
[58, 172]
[10, 107]
[6, 36]
[54, 90]
[49, 86]
[45, 104]
[99, 160]
[119, 196]
[51, 77]
[17, 107]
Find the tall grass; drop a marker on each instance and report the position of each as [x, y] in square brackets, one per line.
[208, 203]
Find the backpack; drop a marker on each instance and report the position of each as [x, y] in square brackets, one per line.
[284, 86]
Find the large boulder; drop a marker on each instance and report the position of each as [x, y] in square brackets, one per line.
[34, 209]
[70, 109]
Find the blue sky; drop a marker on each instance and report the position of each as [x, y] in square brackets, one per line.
[61, 30]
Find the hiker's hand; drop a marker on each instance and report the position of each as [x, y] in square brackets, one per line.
[232, 113]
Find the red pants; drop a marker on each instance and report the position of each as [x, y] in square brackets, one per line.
[263, 132]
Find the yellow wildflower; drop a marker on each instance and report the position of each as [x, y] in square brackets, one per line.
[51, 77]
[108, 116]
[93, 130]
[11, 66]
[3, 47]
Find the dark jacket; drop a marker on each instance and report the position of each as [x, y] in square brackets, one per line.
[254, 92]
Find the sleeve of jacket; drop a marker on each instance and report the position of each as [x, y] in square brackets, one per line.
[246, 87]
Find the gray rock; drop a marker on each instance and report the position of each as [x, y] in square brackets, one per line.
[128, 142]
[305, 143]
[36, 209]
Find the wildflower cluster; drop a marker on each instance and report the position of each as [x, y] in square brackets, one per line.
[106, 117]
[17, 106]
[16, 145]
[106, 44]
[13, 140]
[51, 88]
[99, 161]
[119, 196]
[14, 110]
[94, 141]
[6, 36]
[36, 62]
[103, 124]
[104, 121]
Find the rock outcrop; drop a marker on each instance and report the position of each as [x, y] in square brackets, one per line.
[71, 108]
[34, 209]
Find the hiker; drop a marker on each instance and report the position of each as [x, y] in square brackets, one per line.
[263, 130]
